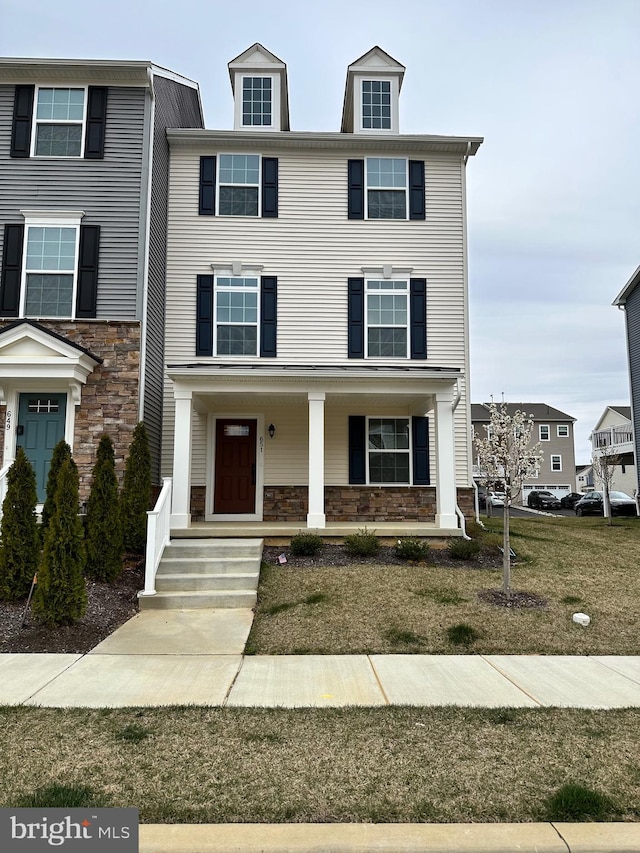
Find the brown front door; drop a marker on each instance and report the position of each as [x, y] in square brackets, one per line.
[235, 472]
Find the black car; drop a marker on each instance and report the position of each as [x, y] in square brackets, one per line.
[543, 500]
[593, 504]
[569, 501]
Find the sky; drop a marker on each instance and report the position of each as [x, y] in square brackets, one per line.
[553, 195]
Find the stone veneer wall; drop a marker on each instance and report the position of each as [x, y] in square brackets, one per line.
[110, 398]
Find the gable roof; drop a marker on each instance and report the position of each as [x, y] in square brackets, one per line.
[537, 412]
[259, 60]
[625, 411]
[629, 287]
[376, 62]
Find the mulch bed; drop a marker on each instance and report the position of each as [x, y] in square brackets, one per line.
[517, 600]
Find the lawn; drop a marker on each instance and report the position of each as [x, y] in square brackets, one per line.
[573, 564]
[218, 765]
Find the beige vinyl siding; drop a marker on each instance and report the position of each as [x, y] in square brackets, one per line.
[312, 249]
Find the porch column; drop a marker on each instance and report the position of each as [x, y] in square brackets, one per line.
[316, 516]
[445, 461]
[181, 493]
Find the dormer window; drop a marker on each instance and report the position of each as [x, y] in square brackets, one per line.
[376, 104]
[257, 101]
[372, 94]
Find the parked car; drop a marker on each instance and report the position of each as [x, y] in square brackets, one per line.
[482, 498]
[496, 498]
[569, 501]
[543, 500]
[593, 504]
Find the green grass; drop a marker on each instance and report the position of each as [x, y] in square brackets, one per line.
[219, 765]
[555, 559]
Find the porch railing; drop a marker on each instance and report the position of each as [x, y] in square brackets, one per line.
[613, 437]
[3, 485]
[158, 533]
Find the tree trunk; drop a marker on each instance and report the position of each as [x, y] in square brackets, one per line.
[506, 552]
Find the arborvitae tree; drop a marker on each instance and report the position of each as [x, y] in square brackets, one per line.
[136, 492]
[60, 596]
[61, 452]
[19, 529]
[104, 525]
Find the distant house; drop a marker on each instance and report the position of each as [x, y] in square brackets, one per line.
[584, 478]
[613, 434]
[629, 300]
[554, 430]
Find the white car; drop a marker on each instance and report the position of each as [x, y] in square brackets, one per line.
[496, 498]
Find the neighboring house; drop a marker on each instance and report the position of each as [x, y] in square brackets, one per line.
[84, 164]
[584, 478]
[317, 312]
[629, 300]
[613, 435]
[553, 429]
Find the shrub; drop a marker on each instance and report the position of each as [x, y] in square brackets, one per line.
[364, 543]
[61, 452]
[574, 802]
[464, 549]
[60, 597]
[462, 634]
[136, 492]
[104, 525]
[19, 529]
[474, 530]
[306, 544]
[412, 549]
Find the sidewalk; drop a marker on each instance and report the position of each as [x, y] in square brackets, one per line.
[196, 657]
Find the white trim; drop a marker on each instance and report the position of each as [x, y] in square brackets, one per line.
[35, 121]
[275, 101]
[564, 434]
[548, 429]
[358, 80]
[407, 326]
[258, 291]
[35, 386]
[405, 218]
[220, 184]
[210, 480]
[408, 450]
[557, 456]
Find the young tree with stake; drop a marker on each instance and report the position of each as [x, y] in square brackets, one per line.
[506, 456]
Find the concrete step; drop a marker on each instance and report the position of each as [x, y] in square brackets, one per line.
[199, 599]
[197, 581]
[204, 548]
[207, 566]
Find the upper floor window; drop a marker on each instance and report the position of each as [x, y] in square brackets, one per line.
[239, 184]
[236, 315]
[50, 271]
[386, 188]
[563, 431]
[544, 432]
[257, 103]
[376, 104]
[556, 462]
[59, 122]
[387, 319]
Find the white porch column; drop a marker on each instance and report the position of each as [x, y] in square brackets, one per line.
[181, 492]
[316, 516]
[445, 461]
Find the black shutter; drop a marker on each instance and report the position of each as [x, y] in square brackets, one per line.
[416, 189]
[87, 296]
[22, 117]
[418, 314]
[96, 122]
[270, 187]
[357, 450]
[11, 270]
[204, 315]
[268, 316]
[355, 300]
[207, 186]
[355, 171]
[420, 435]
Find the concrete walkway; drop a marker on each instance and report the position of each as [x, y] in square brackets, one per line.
[196, 657]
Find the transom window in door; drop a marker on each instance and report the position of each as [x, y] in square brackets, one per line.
[235, 430]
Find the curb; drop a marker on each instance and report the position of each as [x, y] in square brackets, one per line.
[391, 838]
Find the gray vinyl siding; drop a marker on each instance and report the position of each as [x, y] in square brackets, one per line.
[108, 191]
[176, 105]
[632, 310]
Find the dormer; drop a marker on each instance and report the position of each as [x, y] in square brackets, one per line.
[371, 94]
[259, 84]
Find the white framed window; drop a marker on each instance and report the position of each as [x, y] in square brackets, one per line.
[376, 104]
[545, 434]
[556, 462]
[257, 101]
[49, 277]
[239, 184]
[388, 450]
[563, 430]
[387, 318]
[59, 120]
[386, 187]
[237, 309]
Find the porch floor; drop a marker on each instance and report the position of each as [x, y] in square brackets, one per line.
[274, 531]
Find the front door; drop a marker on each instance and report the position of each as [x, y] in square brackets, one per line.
[235, 472]
[41, 422]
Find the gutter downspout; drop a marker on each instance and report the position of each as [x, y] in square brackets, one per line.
[459, 513]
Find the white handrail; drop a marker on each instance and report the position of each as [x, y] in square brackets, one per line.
[158, 533]
[3, 484]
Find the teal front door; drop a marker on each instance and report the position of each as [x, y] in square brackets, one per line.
[41, 420]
